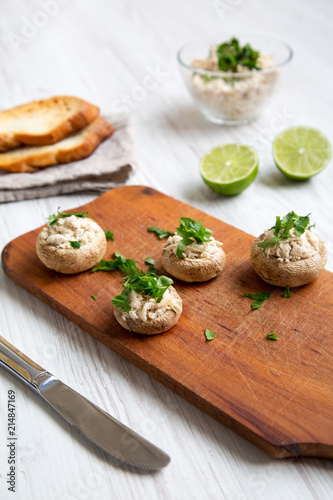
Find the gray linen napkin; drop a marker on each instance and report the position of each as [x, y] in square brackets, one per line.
[110, 165]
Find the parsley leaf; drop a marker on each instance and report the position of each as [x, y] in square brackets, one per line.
[231, 54]
[207, 78]
[75, 244]
[150, 261]
[127, 266]
[191, 231]
[52, 219]
[287, 292]
[258, 298]
[144, 284]
[109, 235]
[121, 300]
[160, 232]
[283, 226]
[272, 336]
[209, 334]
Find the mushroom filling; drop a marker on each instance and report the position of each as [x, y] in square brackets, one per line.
[208, 250]
[293, 248]
[144, 307]
[69, 229]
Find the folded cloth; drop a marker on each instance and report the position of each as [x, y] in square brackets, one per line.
[110, 165]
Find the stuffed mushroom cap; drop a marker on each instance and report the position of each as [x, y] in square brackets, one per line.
[88, 246]
[201, 262]
[294, 261]
[149, 317]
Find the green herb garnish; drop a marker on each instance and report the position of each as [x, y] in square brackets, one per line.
[150, 261]
[52, 219]
[209, 334]
[191, 231]
[258, 298]
[160, 232]
[283, 226]
[287, 292]
[207, 78]
[144, 284]
[109, 235]
[127, 266]
[272, 336]
[231, 54]
[75, 244]
[94, 296]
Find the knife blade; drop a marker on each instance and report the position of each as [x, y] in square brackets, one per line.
[94, 423]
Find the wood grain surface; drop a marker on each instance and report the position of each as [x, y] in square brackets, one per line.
[278, 395]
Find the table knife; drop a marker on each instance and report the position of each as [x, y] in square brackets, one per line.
[98, 426]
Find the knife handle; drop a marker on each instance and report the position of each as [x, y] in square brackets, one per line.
[18, 362]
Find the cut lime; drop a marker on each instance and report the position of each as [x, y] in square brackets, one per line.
[301, 152]
[229, 169]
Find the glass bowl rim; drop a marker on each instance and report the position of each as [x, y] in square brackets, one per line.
[235, 73]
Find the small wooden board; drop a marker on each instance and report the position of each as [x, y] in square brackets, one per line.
[276, 394]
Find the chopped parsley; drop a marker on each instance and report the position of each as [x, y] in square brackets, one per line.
[144, 284]
[272, 336]
[231, 54]
[283, 226]
[52, 219]
[75, 244]
[209, 334]
[287, 292]
[109, 235]
[94, 296]
[207, 78]
[160, 232]
[150, 261]
[149, 283]
[191, 231]
[127, 266]
[258, 298]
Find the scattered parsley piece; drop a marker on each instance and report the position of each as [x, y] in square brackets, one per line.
[287, 292]
[109, 235]
[283, 226]
[150, 261]
[127, 266]
[231, 54]
[258, 298]
[52, 219]
[94, 296]
[272, 336]
[75, 244]
[191, 231]
[160, 232]
[209, 334]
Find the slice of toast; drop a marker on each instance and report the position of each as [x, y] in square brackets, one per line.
[72, 148]
[44, 122]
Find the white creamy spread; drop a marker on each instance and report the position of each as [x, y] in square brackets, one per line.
[233, 98]
[292, 248]
[68, 229]
[144, 307]
[208, 250]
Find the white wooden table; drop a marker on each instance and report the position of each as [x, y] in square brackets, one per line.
[104, 52]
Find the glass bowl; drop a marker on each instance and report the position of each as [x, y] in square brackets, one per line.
[233, 98]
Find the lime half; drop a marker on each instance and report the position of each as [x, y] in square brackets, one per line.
[301, 152]
[229, 169]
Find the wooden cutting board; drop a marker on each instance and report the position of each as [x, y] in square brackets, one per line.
[276, 394]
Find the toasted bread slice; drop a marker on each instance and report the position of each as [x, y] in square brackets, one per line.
[44, 122]
[72, 148]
